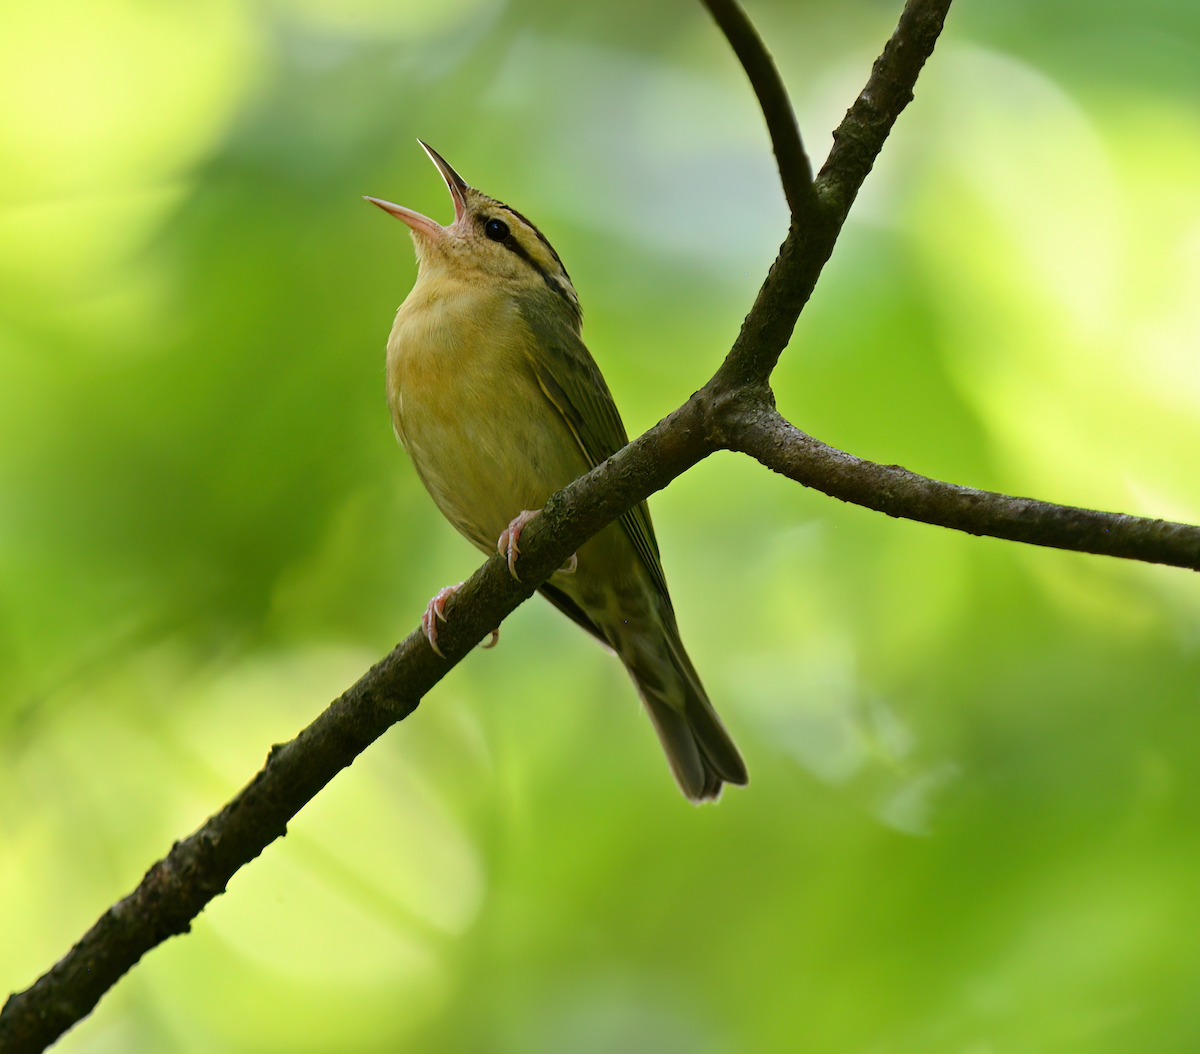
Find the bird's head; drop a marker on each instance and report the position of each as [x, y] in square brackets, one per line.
[487, 237]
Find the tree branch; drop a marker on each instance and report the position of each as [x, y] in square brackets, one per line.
[763, 434]
[857, 142]
[863, 131]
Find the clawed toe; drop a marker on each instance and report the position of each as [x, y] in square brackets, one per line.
[506, 544]
[435, 611]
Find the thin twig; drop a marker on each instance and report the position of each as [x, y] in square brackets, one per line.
[795, 171]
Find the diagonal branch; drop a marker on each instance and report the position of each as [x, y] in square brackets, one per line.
[197, 869]
[861, 135]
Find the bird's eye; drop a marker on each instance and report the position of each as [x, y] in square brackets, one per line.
[497, 230]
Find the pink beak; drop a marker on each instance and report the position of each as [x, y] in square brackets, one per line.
[458, 189]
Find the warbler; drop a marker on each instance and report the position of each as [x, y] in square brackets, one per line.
[499, 404]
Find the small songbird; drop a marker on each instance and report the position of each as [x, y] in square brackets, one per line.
[499, 405]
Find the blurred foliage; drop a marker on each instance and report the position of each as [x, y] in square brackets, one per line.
[973, 825]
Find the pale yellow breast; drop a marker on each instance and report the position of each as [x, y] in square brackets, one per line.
[465, 403]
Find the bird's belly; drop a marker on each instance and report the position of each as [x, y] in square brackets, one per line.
[484, 439]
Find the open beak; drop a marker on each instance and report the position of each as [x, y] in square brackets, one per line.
[415, 220]
[458, 189]
[456, 183]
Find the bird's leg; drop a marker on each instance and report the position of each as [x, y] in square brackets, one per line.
[506, 545]
[435, 610]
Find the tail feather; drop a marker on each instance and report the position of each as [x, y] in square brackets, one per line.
[695, 779]
[700, 752]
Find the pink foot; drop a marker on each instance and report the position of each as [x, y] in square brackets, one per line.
[435, 610]
[506, 544]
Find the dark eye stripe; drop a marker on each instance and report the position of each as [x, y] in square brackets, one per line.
[540, 236]
[560, 287]
[516, 247]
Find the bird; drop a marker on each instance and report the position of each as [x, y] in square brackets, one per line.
[499, 404]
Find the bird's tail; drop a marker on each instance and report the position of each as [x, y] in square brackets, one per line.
[700, 752]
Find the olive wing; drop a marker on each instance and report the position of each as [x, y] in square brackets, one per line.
[572, 382]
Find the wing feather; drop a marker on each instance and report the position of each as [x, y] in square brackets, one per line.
[574, 386]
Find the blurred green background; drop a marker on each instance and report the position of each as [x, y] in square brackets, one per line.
[973, 825]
